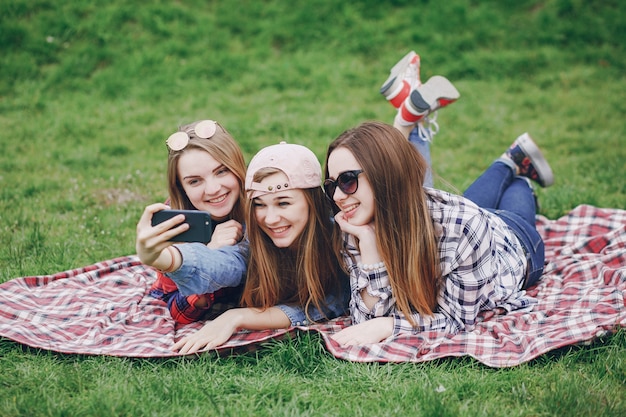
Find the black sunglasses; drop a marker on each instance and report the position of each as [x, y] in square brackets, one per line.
[347, 181]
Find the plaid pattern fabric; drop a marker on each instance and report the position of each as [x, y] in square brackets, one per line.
[105, 309]
[183, 309]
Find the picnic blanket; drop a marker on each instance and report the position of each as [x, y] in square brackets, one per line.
[105, 308]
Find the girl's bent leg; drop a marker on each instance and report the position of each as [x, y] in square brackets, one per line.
[423, 147]
[520, 199]
[489, 188]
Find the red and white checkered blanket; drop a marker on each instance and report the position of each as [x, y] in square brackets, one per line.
[105, 309]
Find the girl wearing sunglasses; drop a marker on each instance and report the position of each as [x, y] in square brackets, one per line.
[205, 171]
[422, 259]
[294, 278]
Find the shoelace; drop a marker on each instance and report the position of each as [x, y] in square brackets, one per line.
[428, 127]
[412, 75]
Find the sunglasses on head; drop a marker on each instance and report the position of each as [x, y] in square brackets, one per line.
[347, 181]
[179, 140]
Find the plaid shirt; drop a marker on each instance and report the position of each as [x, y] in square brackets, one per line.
[482, 263]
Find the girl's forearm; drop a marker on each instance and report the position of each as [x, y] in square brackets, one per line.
[255, 319]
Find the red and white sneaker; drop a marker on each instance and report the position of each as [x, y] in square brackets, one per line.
[434, 94]
[403, 77]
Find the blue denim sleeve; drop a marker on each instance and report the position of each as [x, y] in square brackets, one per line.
[336, 305]
[207, 270]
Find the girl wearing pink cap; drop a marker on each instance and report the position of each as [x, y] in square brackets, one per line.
[294, 277]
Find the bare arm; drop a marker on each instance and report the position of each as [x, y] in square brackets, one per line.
[217, 332]
[367, 247]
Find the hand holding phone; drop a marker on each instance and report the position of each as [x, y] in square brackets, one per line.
[200, 228]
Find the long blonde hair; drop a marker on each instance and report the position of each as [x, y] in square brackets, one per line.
[404, 229]
[304, 276]
[220, 146]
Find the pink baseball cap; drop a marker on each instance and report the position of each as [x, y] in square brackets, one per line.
[298, 162]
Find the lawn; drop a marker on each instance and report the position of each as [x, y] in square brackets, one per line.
[90, 91]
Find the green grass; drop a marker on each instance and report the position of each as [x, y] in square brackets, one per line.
[89, 91]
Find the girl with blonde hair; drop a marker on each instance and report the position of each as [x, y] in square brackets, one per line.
[205, 171]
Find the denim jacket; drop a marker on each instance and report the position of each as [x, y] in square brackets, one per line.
[205, 270]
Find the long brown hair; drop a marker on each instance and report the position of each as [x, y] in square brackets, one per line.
[304, 276]
[220, 146]
[404, 229]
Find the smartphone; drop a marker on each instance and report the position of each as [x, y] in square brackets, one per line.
[200, 228]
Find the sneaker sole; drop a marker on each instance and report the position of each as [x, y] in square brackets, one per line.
[425, 97]
[393, 81]
[533, 152]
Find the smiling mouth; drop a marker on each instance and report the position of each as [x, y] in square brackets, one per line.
[279, 230]
[348, 210]
[218, 199]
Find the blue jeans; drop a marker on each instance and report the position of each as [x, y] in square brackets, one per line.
[423, 147]
[510, 197]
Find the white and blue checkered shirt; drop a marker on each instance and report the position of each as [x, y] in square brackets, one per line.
[482, 263]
